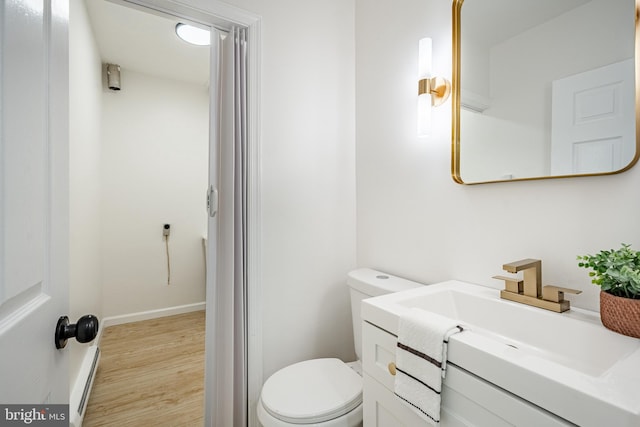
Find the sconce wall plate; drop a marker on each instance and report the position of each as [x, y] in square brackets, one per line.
[438, 87]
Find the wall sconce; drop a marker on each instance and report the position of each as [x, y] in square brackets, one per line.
[432, 91]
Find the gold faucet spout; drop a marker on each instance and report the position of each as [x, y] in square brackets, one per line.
[523, 264]
[532, 275]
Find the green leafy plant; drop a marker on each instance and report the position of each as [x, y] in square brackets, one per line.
[615, 271]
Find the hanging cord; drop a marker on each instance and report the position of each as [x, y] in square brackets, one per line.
[166, 241]
[166, 230]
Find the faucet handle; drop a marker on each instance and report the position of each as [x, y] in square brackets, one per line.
[556, 293]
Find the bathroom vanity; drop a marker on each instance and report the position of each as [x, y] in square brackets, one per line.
[467, 400]
[513, 364]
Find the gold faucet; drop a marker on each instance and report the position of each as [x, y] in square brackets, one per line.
[529, 290]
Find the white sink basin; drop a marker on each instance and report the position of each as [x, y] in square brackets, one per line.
[579, 344]
[566, 363]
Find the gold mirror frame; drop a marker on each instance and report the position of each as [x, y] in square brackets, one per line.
[455, 104]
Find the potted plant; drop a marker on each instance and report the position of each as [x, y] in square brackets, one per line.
[617, 272]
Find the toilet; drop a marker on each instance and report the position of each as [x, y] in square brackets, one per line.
[326, 392]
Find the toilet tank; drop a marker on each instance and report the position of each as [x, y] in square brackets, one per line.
[366, 283]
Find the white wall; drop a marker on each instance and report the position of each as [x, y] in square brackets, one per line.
[308, 178]
[154, 171]
[414, 221]
[84, 175]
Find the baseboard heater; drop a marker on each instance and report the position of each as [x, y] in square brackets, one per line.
[89, 382]
[82, 390]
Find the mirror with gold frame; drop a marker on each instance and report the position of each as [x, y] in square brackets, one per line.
[544, 89]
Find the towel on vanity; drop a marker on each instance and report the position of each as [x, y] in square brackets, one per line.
[421, 358]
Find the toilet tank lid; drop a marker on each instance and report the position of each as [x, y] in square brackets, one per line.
[375, 283]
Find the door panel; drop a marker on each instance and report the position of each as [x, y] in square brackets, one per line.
[24, 150]
[33, 199]
[593, 120]
[597, 155]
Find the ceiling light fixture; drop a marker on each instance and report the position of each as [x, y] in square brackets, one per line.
[193, 35]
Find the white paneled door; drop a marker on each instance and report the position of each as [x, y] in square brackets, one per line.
[593, 126]
[33, 200]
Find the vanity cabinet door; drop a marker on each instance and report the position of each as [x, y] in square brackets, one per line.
[378, 351]
[383, 409]
[470, 400]
[467, 400]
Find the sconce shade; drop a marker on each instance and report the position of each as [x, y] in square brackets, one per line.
[424, 99]
[425, 48]
[424, 115]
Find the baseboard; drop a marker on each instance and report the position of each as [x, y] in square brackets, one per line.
[82, 387]
[151, 314]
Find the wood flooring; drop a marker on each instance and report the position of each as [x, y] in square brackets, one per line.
[151, 373]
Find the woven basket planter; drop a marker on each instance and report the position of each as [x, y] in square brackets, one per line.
[620, 314]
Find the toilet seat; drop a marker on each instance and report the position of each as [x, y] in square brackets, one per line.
[312, 391]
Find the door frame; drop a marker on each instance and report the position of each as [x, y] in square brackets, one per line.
[222, 16]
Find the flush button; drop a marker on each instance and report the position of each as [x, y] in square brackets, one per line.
[381, 276]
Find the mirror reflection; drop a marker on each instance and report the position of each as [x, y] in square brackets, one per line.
[546, 88]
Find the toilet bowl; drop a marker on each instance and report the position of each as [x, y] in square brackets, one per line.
[326, 392]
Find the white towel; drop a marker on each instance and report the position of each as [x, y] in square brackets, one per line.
[421, 360]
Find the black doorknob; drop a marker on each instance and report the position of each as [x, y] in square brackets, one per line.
[84, 331]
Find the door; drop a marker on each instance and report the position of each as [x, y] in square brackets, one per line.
[33, 201]
[226, 379]
[593, 120]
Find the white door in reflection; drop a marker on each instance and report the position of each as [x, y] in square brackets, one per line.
[593, 120]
